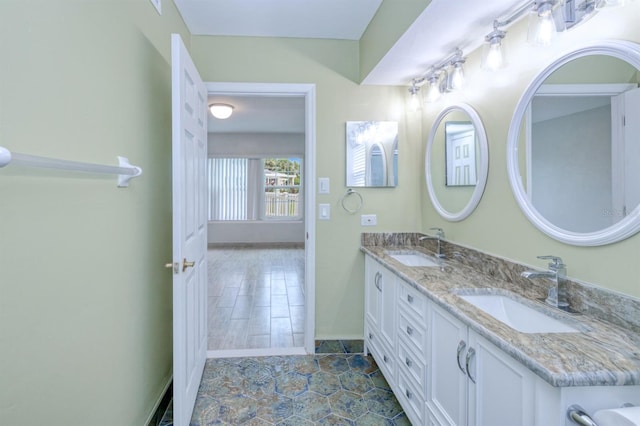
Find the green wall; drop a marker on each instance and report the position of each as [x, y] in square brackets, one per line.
[85, 301]
[333, 67]
[498, 226]
[390, 22]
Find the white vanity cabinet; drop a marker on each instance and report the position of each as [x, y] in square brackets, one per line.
[472, 381]
[380, 316]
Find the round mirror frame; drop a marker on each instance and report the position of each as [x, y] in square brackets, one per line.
[483, 169]
[624, 50]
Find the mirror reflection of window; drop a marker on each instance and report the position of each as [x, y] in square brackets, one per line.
[377, 173]
[460, 153]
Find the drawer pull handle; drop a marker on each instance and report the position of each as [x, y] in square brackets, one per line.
[409, 298]
[408, 393]
[408, 362]
[461, 347]
[470, 355]
[409, 330]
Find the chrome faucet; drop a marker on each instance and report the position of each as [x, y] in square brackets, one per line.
[557, 274]
[438, 237]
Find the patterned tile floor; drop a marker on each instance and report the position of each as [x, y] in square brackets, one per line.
[323, 389]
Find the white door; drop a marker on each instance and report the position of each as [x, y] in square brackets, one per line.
[502, 390]
[625, 152]
[631, 149]
[189, 103]
[447, 387]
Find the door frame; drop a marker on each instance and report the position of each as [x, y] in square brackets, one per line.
[309, 93]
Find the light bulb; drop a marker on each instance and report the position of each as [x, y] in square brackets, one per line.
[457, 77]
[414, 102]
[546, 30]
[495, 59]
[433, 91]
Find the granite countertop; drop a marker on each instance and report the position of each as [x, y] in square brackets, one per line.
[602, 353]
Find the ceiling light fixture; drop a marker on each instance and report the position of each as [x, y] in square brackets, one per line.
[221, 111]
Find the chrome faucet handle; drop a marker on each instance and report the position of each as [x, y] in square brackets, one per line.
[556, 262]
[439, 233]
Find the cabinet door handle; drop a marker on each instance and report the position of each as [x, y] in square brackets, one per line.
[470, 354]
[409, 298]
[409, 330]
[461, 347]
[371, 336]
[408, 393]
[408, 362]
[378, 281]
[384, 358]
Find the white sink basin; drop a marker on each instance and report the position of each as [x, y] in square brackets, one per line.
[517, 315]
[413, 258]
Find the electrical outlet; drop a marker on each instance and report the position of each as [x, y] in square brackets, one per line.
[368, 220]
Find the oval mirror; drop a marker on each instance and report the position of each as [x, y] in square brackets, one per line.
[457, 162]
[573, 150]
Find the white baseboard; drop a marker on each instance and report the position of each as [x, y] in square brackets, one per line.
[234, 353]
[159, 400]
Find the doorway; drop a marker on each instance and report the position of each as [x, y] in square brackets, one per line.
[270, 247]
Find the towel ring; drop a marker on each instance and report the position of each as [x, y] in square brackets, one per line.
[349, 192]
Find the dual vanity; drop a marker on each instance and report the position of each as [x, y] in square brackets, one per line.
[466, 339]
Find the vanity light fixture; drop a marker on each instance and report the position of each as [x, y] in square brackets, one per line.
[414, 100]
[444, 76]
[433, 88]
[493, 51]
[221, 111]
[456, 75]
[545, 20]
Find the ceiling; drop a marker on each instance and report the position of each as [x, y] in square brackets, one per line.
[333, 19]
[259, 114]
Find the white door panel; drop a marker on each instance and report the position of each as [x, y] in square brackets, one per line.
[189, 149]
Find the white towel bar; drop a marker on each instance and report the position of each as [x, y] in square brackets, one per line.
[124, 170]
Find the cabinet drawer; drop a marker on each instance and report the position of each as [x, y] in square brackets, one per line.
[413, 366]
[413, 331]
[414, 301]
[410, 399]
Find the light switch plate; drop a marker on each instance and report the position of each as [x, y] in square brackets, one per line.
[368, 220]
[323, 185]
[324, 211]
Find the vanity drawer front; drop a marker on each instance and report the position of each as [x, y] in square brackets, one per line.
[413, 366]
[412, 402]
[381, 353]
[414, 301]
[413, 331]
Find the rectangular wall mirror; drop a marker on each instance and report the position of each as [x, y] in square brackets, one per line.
[372, 153]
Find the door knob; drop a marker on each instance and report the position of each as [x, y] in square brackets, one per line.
[186, 264]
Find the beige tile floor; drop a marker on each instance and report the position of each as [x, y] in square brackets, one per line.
[256, 297]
